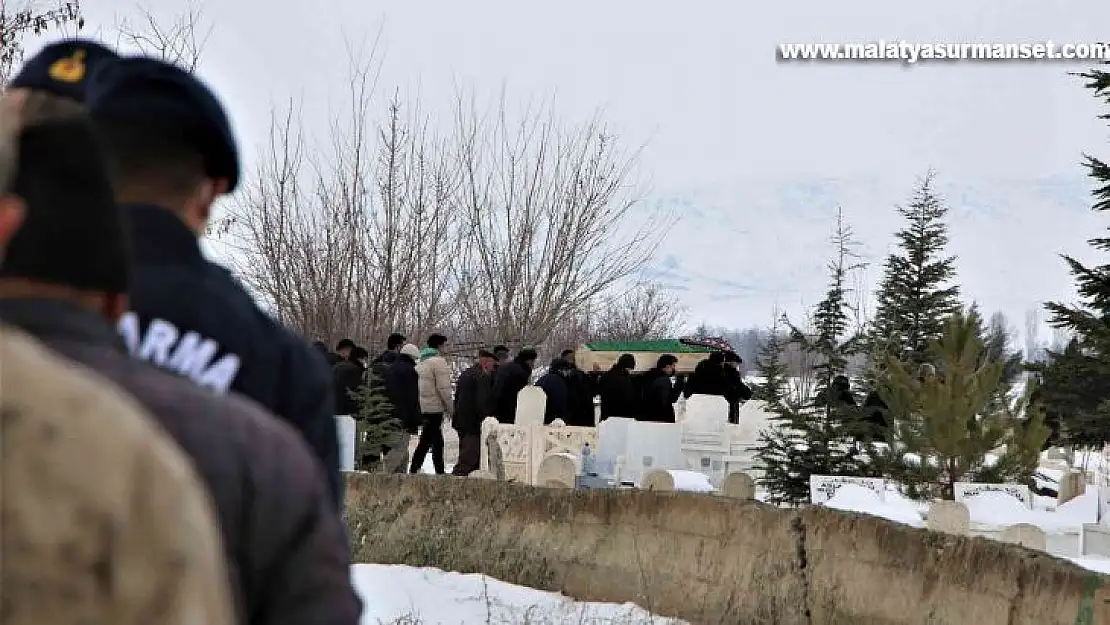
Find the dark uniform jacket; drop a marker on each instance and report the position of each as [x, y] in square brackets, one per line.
[508, 381]
[472, 400]
[192, 317]
[618, 394]
[286, 548]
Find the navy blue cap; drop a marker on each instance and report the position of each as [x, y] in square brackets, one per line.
[63, 68]
[146, 90]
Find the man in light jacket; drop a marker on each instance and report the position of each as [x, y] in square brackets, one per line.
[435, 402]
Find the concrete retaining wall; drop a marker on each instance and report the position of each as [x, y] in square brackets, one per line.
[709, 559]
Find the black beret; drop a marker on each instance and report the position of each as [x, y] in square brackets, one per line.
[147, 90]
[63, 68]
[74, 233]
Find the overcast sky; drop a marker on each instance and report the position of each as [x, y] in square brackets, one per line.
[755, 154]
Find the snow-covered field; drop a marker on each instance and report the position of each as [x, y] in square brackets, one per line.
[402, 595]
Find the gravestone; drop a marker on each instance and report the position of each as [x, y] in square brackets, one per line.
[1026, 535]
[556, 471]
[1094, 540]
[951, 517]
[346, 431]
[657, 480]
[739, 486]
[1072, 485]
[494, 459]
[707, 408]
[823, 487]
[966, 490]
[531, 404]
[652, 446]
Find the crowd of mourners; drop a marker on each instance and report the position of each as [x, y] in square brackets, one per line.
[422, 393]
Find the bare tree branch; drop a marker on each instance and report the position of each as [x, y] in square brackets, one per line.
[29, 17]
[180, 42]
[546, 207]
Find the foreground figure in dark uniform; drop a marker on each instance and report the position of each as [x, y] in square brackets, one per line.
[285, 545]
[171, 155]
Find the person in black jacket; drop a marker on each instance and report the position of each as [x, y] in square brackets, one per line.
[172, 155]
[472, 401]
[402, 386]
[735, 389]
[659, 393]
[349, 375]
[557, 391]
[508, 381]
[616, 389]
[285, 545]
[708, 377]
[343, 349]
[581, 390]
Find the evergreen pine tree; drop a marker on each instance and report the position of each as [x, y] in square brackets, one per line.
[916, 294]
[375, 424]
[1084, 366]
[814, 434]
[772, 369]
[952, 420]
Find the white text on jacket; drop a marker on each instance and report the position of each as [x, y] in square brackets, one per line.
[188, 354]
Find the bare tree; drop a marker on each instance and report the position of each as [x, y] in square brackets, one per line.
[644, 311]
[358, 243]
[30, 17]
[548, 211]
[181, 41]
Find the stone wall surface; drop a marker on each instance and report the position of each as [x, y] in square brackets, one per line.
[715, 560]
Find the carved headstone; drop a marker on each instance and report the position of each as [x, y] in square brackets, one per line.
[706, 408]
[1026, 535]
[657, 479]
[556, 471]
[739, 486]
[1072, 485]
[823, 487]
[531, 404]
[493, 452]
[966, 490]
[951, 517]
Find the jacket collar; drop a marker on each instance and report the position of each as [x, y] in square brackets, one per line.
[160, 237]
[53, 319]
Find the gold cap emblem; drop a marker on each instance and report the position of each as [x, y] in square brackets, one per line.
[70, 69]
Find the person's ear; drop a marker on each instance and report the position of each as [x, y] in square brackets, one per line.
[12, 212]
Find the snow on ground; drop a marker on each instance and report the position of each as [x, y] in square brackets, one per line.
[403, 595]
[853, 498]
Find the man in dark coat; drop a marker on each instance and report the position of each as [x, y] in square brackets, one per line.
[508, 381]
[557, 391]
[708, 377]
[659, 392]
[581, 390]
[332, 357]
[343, 350]
[472, 401]
[402, 386]
[735, 389]
[349, 375]
[616, 390]
[285, 545]
[172, 155]
[501, 356]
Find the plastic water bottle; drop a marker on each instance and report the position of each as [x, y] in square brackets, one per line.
[587, 460]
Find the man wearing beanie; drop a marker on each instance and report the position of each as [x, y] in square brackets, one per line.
[284, 543]
[171, 155]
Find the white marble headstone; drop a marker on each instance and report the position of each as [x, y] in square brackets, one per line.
[531, 404]
[706, 408]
